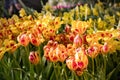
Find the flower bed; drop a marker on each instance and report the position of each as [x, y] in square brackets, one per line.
[80, 44]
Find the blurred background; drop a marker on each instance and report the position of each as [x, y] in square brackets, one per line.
[10, 7]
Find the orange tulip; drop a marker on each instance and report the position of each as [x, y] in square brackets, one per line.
[61, 52]
[34, 39]
[93, 51]
[78, 62]
[23, 39]
[78, 41]
[34, 57]
[105, 48]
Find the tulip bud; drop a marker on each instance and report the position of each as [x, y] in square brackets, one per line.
[34, 57]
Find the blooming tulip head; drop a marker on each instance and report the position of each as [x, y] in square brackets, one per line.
[81, 58]
[34, 57]
[78, 62]
[35, 40]
[71, 64]
[23, 39]
[50, 51]
[61, 52]
[53, 56]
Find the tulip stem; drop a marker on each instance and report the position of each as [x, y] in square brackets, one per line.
[64, 69]
[55, 71]
[39, 51]
[74, 76]
[30, 65]
[104, 58]
[31, 72]
[93, 68]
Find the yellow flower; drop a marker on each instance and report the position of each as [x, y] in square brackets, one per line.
[101, 24]
[95, 12]
[22, 13]
[15, 17]
[1, 41]
[57, 23]
[2, 52]
[79, 26]
[93, 50]
[110, 20]
[67, 18]
[118, 13]
[10, 45]
[100, 7]
[47, 7]
[14, 29]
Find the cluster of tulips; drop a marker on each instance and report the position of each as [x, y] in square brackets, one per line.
[69, 40]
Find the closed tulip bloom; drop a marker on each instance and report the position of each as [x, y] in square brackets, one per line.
[34, 40]
[93, 51]
[34, 57]
[105, 48]
[23, 39]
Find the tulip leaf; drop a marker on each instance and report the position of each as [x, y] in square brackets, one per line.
[111, 73]
[61, 29]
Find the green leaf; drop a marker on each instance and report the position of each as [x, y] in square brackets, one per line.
[61, 29]
[111, 73]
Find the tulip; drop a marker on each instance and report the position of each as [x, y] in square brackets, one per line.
[53, 56]
[67, 29]
[93, 51]
[71, 64]
[50, 51]
[81, 58]
[34, 39]
[34, 57]
[61, 52]
[23, 39]
[2, 52]
[46, 52]
[78, 41]
[70, 50]
[105, 48]
[78, 62]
